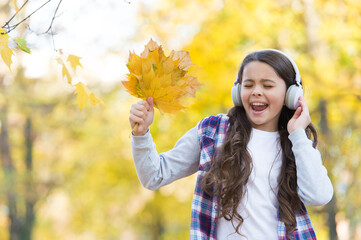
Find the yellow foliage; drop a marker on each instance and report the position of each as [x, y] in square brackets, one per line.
[94, 100]
[152, 74]
[66, 74]
[84, 95]
[5, 51]
[74, 61]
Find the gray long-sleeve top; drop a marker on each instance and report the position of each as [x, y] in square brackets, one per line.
[155, 170]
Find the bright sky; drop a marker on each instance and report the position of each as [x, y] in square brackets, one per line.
[89, 29]
[102, 33]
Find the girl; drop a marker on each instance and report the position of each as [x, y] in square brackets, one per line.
[256, 165]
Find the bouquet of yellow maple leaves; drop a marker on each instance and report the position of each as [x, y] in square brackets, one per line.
[152, 74]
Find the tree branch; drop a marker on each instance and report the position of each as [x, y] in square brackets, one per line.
[7, 23]
[11, 28]
[52, 20]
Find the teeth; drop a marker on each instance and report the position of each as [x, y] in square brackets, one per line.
[259, 104]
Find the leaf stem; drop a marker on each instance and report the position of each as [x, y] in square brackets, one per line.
[135, 128]
[159, 109]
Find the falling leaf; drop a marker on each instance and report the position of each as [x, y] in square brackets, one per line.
[59, 60]
[21, 43]
[152, 74]
[5, 51]
[83, 95]
[74, 61]
[66, 74]
[94, 100]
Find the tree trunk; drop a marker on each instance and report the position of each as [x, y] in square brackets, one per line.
[157, 228]
[331, 209]
[9, 173]
[314, 45]
[331, 206]
[30, 197]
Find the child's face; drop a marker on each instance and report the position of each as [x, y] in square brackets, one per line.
[263, 95]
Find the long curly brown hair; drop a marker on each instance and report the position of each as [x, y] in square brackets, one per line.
[229, 172]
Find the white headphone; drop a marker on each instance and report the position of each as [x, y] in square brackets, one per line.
[293, 92]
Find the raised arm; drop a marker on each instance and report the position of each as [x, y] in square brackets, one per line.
[155, 170]
[314, 185]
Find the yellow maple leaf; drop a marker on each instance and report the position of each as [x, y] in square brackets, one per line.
[83, 95]
[150, 47]
[152, 74]
[5, 52]
[94, 100]
[66, 74]
[74, 61]
[184, 59]
[135, 64]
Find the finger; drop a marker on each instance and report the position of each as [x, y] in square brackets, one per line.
[142, 102]
[150, 102]
[305, 114]
[146, 104]
[134, 119]
[297, 113]
[303, 104]
[137, 113]
[140, 106]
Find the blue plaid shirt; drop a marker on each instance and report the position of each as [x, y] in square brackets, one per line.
[211, 134]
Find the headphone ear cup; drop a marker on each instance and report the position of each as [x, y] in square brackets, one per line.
[236, 95]
[294, 92]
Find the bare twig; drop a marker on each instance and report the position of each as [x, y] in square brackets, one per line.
[11, 28]
[52, 38]
[52, 20]
[7, 23]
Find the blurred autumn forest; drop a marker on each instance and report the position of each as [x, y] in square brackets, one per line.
[68, 173]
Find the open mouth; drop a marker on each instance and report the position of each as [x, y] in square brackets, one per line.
[258, 107]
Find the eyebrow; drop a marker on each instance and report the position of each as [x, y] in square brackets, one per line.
[262, 80]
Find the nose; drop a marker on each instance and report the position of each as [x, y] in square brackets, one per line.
[256, 92]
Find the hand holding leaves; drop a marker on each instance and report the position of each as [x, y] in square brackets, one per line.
[141, 116]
